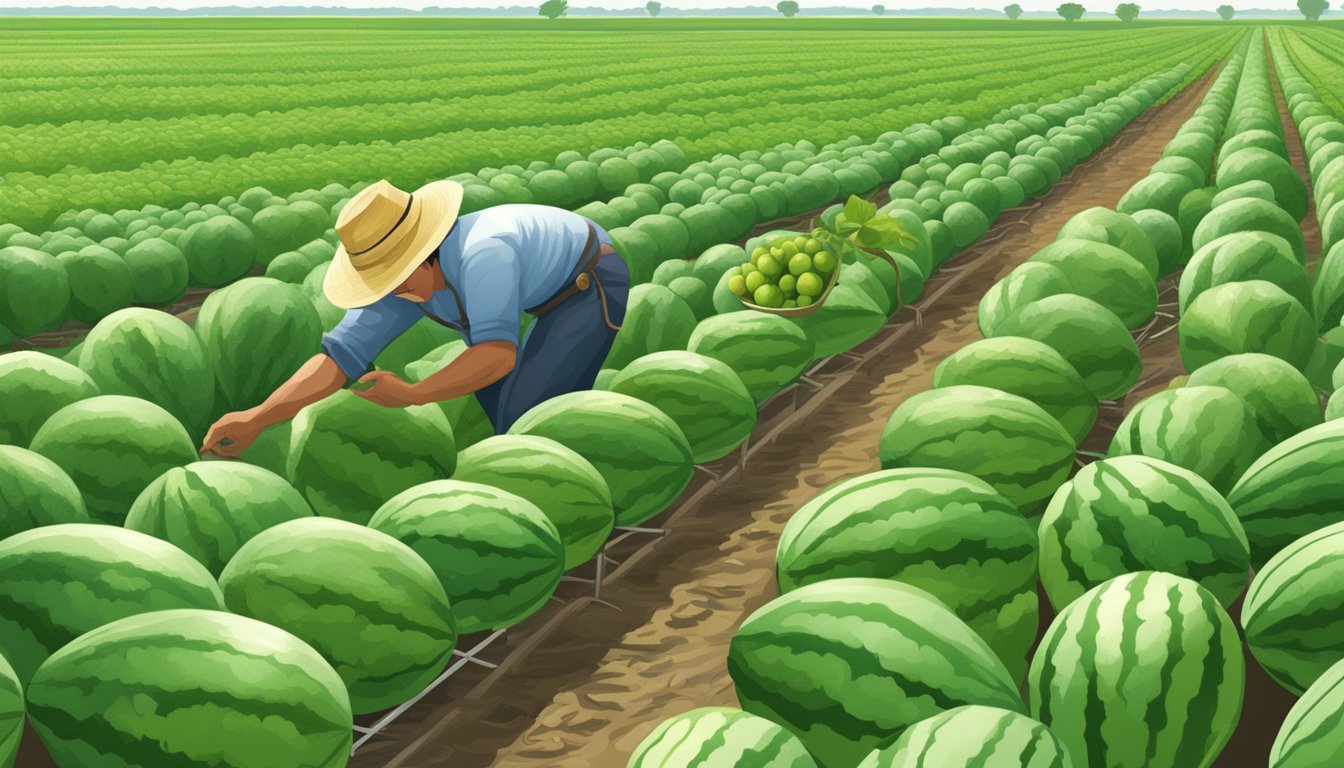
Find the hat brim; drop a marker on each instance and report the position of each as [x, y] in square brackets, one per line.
[435, 209]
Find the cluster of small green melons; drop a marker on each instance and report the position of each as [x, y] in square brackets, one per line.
[790, 272]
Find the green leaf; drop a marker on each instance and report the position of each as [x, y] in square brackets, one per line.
[858, 210]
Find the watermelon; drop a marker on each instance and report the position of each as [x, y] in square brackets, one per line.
[113, 446]
[1089, 336]
[1207, 430]
[158, 271]
[256, 333]
[209, 509]
[498, 557]
[154, 356]
[702, 395]
[719, 736]
[1249, 316]
[60, 581]
[36, 291]
[1194, 208]
[284, 705]
[946, 532]
[656, 319]
[1027, 283]
[465, 414]
[1164, 232]
[768, 352]
[561, 483]
[11, 714]
[639, 450]
[220, 250]
[846, 319]
[348, 455]
[848, 664]
[1144, 670]
[1328, 288]
[1279, 396]
[1162, 190]
[711, 264]
[33, 386]
[1245, 256]
[1311, 734]
[371, 606]
[1134, 513]
[1028, 369]
[35, 492]
[1255, 163]
[1293, 615]
[1101, 225]
[984, 737]
[1017, 447]
[100, 283]
[1251, 214]
[1107, 275]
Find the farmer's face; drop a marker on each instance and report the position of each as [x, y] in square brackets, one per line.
[419, 286]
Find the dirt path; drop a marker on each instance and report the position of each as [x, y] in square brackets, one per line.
[583, 683]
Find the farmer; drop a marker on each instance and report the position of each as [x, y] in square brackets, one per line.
[405, 256]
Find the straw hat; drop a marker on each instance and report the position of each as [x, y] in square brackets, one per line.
[385, 234]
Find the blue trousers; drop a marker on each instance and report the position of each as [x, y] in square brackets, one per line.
[562, 350]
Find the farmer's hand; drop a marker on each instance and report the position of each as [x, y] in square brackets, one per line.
[232, 434]
[384, 388]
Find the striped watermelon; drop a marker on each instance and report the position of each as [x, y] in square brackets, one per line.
[33, 386]
[846, 319]
[348, 455]
[1134, 513]
[768, 352]
[638, 449]
[1207, 430]
[1030, 282]
[703, 396]
[848, 664]
[560, 482]
[945, 532]
[155, 689]
[1292, 490]
[714, 737]
[60, 581]
[1005, 440]
[1294, 615]
[1245, 256]
[497, 555]
[1247, 316]
[1312, 735]
[35, 492]
[1107, 275]
[982, 737]
[362, 599]
[209, 509]
[113, 446]
[1089, 336]
[1143, 671]
[656, 319]
[1281, 399]
[1028, 369]
[1102, 225]
[11, 714]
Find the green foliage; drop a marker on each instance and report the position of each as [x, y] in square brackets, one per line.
[1071, 12]
[553, 9]
[787, 7]
[1312, 9]
[1226, 12]
[1127, 11]
[1013, 11]
[879, 9]
[653, 7]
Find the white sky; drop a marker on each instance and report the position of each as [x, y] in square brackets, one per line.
[892, 5]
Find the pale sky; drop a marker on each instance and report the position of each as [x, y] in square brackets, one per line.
[892, 5]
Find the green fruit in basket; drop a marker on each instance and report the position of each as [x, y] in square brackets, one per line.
[738, 285]
[768, 296]
[810, 284]
[771, 267]
[753, 281]
[788, 247]
[800, 263]
[824, 262]
[748, 268]
[788, 284]
[799, 241]
[758, 252]
[790, 303]
[804, 300]
[812, 246]
[735, 271]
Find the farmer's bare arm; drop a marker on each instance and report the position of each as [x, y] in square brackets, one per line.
[478, 366]
[315, 380]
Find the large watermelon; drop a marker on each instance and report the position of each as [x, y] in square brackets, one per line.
[1005, 440]
[497, 555]
[371, 606]
[1027, 283]
[846, 319]
[1293, 615]
[1207, 430]
[1311, 735]
[561, 483]
[209, 509]
[35, 492]
[1134, 513]
[638, 449]
[1143, 671]
[848, 664]
[219, 251]
[113, 447]
[974, 737]
[1028, 369]
[36, 291]
[60, 581]
[33, 386]
[656, 319]
[702, 395]
[1279, 396]
[1102, 225]
[284, 706]
[1245, 256]
[1089, 336]
[1107, 275]
[465, 414]
[768, 352]
[714, 737]
[1250, 214]
[348, 455]
[1164, 232]
[943, 531]
[11, 714]
[1248, 316]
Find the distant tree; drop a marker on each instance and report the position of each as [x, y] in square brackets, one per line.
[1127, 11]
[1071, 12]
[1227, 12]
[1313, 9]
[653, 7]
[788, 8]
[1013, 11]
[878, 10]
[553, 9]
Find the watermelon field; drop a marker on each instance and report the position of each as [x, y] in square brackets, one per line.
[975, 402]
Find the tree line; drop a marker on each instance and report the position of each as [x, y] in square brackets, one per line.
[1070, 12]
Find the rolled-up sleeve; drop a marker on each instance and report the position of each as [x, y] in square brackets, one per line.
[365, 332]
[491, 284]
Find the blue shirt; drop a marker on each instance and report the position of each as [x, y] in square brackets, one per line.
[502, 260]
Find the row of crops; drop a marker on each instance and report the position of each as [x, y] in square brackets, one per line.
[1317, 53]
[227, 591]
[909, 603]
